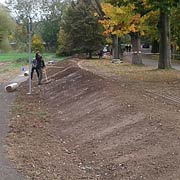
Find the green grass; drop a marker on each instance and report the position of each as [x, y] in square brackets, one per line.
[18, 57]
[13, 62]
[12, 57]
[16, 60]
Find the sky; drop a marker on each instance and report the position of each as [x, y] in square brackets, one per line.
[2, 1]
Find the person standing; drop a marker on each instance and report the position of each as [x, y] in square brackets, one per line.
[34, 67]
[100, 54]
[40, 66]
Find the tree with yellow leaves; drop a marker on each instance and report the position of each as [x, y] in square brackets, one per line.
[143, 7]
[37, 43]
[117, 20]
[121, 20]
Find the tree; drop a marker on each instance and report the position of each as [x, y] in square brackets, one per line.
[64, 47]
[37, 43]
[45, 16]
[24, 12]
[24, 9]
[151, 30]
[121, 20]
[50, 21]
[165, 48]
[139, 10]
[175, 25]
[49, 29]
[116, 24]
[165, 8]
[6, 27]
[20, 37]
[83, 33]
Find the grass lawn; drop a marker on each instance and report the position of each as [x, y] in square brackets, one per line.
[19, 59]
[11, 57]
[13, 62]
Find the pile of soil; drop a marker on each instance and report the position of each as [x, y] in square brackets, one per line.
[86, 125]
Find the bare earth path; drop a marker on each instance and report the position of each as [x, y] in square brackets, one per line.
[7, 170]
[98, 121]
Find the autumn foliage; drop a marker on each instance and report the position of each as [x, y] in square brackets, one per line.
[37, 43]
[121, 20]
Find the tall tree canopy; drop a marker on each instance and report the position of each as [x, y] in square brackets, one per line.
[165, 8]
[175, 26]
[81, 28]
[117, 20]
[6, 27]
[127, 17]
[24, 9]
[45, 16]
[50, 21]
[143, 7]
[24, 12]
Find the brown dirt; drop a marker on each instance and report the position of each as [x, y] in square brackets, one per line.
[6, 73]
[112, 122]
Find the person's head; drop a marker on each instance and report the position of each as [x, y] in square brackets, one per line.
[38, 55]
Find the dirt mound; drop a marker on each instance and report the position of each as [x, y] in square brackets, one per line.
[85, 126]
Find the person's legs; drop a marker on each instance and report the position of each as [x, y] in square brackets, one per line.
[37, 73]
[40, 76]
[32, 71]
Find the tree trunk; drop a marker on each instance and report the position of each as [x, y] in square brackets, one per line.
[115, 47]
[136, 48]
[165, 49]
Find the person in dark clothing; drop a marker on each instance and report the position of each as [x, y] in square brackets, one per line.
[100, 54]
[38, 66]
[34, 64]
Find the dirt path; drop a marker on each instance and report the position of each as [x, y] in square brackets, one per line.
[98, 124]
[7, 171]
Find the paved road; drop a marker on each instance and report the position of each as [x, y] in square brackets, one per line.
[148, 61]
[7, 172]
